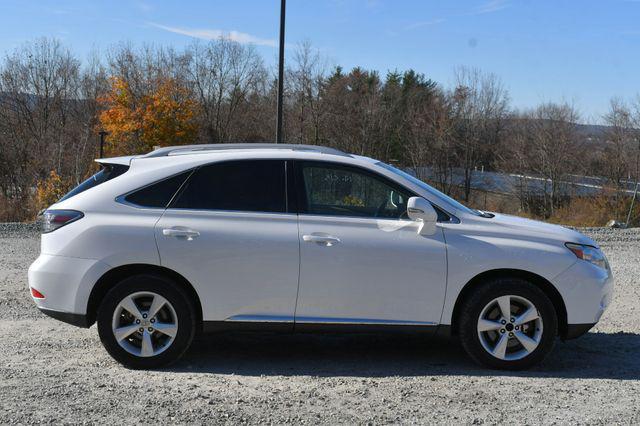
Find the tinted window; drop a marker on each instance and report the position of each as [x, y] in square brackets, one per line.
[256, 185]
[344, 191]
[108, 172]
[158, 194]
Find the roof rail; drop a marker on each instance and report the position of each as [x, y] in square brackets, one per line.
[204, 148]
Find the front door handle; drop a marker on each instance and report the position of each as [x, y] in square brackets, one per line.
[177, 232]
[321, 239]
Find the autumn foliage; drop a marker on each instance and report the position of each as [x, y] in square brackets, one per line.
[51, 189]
[137, 123]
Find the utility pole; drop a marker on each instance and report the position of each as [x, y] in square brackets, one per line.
[102, 134]
[280, 73]
[633, 200]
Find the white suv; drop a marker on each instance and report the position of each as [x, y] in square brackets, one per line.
[159, 247]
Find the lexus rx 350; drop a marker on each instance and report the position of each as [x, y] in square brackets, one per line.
[159, 247]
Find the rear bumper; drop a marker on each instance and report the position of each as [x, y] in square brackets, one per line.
[65, 282]
[79, 320]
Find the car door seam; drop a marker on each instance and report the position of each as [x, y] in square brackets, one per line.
[446, 273]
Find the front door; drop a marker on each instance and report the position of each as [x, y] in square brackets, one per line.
[229, 233]
[362, 261]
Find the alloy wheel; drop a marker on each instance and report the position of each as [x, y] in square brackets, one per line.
[510, 327]
[144, 324]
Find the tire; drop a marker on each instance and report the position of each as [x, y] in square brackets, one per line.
[144, 345]
[512, 345]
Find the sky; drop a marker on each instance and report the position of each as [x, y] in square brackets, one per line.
[582, 51]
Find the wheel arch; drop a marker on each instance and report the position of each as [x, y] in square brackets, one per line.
[115, 275]
[542, 283]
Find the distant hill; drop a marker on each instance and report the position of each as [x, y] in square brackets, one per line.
[592, 132]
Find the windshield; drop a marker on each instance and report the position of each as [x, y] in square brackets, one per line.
[431, 190]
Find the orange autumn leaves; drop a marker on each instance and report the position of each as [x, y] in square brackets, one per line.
[50, 190]
[137, 123]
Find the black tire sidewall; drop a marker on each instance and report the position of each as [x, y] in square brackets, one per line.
[475, 303]
[167, 289]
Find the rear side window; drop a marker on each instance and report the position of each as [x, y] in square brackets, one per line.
[108, 172]
[159, 194]
[248, 185]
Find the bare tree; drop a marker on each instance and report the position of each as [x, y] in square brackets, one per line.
[40, 82]
[554, 148]
[620, 136]
[306, 83]
[480, 105]
[223, 74]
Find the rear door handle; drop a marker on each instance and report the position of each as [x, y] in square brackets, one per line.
[188, 234]
[323, 239]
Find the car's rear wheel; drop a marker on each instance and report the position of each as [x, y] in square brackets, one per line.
[508, 324]
[146, 321]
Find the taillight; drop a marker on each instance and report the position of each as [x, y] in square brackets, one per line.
[54, 219]
[36, 294]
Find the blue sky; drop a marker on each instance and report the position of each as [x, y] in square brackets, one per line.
[581, 51]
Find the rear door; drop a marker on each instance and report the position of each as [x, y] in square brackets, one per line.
[229, 232]
[362, 261]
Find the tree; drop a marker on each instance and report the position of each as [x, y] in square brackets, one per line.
[480, 105]
[619, 143]
[164, 117]
[223, 75]
[353, 108]
[554, 148]
[306, 85]
[43, 117]
[51, 189]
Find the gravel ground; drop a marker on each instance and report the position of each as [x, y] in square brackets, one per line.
[53, 372]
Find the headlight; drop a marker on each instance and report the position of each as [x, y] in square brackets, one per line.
[589, 253]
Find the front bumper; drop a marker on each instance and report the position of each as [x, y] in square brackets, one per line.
[574, 331]
[587, 291]
[66, 283]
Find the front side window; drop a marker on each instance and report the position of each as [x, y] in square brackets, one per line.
[336, 190]
[247, 185]
[431, 190]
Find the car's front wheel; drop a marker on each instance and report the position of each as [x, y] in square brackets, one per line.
[146, 321]
[508, 324]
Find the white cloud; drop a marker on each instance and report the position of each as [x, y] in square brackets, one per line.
[424, 24]
[490, 7]
[144, 6]
[215, 34]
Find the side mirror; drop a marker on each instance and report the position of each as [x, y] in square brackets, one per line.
[421, 210]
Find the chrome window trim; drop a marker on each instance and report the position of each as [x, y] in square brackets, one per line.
[122, 198]
[358, 321]
[260, 318]
[245, 212]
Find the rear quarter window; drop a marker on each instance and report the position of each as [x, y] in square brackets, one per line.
[158, 194]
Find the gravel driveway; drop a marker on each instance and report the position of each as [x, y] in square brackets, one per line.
[53, 372]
